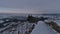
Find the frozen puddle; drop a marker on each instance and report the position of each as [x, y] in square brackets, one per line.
[42, 28]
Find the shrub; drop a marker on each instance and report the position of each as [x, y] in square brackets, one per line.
[32, 19]
[54, 26]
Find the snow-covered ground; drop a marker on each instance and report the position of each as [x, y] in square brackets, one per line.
[57, 22]
[42, 28]
[21, 28]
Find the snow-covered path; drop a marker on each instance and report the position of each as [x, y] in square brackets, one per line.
[42, 28]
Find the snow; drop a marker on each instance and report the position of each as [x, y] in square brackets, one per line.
[57, 22]
[42, 28]
[21, 28]
[5, 24]
[1, 21]
[48, 21]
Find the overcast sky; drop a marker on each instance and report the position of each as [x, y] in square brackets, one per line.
[30, 6]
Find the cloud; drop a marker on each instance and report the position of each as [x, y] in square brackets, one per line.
[31, 5]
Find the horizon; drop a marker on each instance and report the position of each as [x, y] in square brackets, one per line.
[31, 13]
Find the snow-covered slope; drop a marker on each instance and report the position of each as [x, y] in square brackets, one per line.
[57, 22]
[42, 28]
